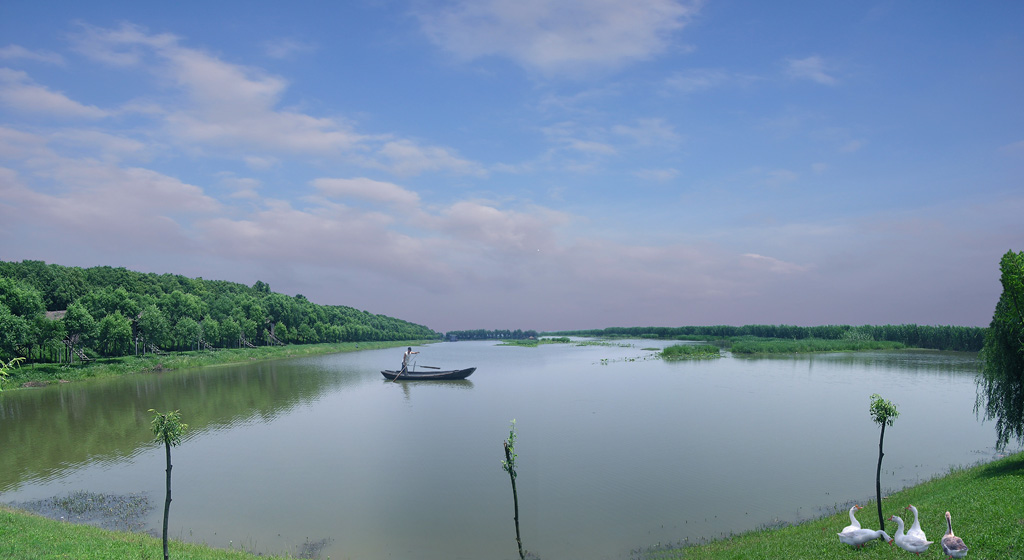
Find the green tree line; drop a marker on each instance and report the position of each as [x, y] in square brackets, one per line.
[482, 334]
[965, 339]
[52, 313]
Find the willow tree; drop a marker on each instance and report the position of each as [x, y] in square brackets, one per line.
[168, 429]
[884, 413]
[1001, 381]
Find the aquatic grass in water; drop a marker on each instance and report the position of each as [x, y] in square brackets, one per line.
[691, 352]
[118, 512]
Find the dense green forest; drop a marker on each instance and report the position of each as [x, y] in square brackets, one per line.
[54, 313]
[965, 339]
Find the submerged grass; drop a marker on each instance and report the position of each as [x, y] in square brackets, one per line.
[985, 501]
[42, 374]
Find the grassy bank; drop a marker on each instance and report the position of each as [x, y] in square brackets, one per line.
[25, 536]
[42, 374]
[985, 501]
[752, 345]
[690, 351]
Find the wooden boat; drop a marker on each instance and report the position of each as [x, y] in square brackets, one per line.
[428, 375]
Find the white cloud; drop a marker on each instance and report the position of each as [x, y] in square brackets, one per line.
[811, 68]
[771, 264]
[235, 107]
[698, 79]
[851, 146]
[17, 52]
[97, 203]
[506, 230]
[284, 48]
[107, 146]
[557, 36]
[366, 189]
[777, 177]
[649, 132]
[1016, 148]
[406, 157]
[20, 93]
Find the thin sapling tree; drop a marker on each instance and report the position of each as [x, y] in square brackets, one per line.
[168, 429]
[509, 464]
[6, 366]
[884, 413]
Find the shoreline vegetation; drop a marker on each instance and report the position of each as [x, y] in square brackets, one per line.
[42, 374]
[953, 338]
[691, 352]
[736, 344]
[991, 524]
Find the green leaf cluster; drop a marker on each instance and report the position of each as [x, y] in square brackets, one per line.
[168, 427]
[883, 411]
[509, 463]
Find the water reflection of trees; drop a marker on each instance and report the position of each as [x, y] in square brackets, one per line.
[908, 361]
[49, 430]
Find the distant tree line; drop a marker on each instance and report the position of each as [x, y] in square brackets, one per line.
[51, 313]
[965, 339]
[481, 334]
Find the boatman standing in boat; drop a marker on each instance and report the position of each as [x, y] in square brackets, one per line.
[406, 358]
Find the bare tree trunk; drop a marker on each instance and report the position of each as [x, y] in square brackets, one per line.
[167, 500]
[515, 501]
[878, 481]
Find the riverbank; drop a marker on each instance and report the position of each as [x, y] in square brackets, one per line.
[984, 501]
[37, 375]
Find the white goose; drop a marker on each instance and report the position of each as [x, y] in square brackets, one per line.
[859, 537]
[915, 527]
[952, 545]
[854, 524]
[910, 544]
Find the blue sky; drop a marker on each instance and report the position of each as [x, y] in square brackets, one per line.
[530, 164]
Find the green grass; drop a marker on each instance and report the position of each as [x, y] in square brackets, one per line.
[690, 351]
[25, 536]
[753, 345]
[988, 513]
[534, 342]
[986, 503]
[41, 374]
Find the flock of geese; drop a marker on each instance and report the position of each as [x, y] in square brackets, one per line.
[911, 541]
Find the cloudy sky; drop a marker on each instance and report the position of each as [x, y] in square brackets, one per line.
[544, 164]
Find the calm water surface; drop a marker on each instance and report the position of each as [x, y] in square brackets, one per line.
[617, 450]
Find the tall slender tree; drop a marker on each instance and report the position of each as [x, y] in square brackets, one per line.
[509, 464]
[5, 367]
[168, 429]
[884, 413]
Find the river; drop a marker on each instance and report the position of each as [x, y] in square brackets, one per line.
[618, 450]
